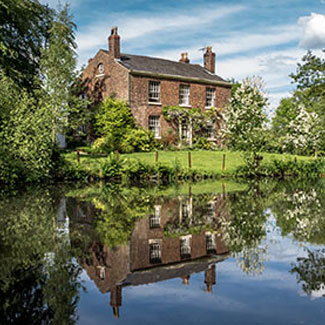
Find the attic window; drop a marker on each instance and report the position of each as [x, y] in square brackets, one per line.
[100, 68]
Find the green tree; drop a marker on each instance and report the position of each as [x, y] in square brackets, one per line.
[245, 117]
[59, 76]
[24, 29]
[114, 121]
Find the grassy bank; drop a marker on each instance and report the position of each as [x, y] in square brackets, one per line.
[203, 163]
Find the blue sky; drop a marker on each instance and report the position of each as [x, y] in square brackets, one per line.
[257, 37]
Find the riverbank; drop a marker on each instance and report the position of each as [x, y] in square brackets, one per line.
[169, 166]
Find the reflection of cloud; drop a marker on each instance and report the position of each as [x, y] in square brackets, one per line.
[313, 31]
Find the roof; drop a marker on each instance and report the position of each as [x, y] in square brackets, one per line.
[162, 67]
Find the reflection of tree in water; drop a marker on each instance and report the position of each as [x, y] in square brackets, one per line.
[118, 207]
[310, 272]
[244, 228]
[300, 211]
[38, 280]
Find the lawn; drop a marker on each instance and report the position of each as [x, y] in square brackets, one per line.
[208, 161]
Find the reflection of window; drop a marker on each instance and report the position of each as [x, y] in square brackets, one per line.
[154, 219]
[185, 247]
[210, 95]
[184, 95]
[154, 91]
[154, 125]
[184, 210]
[101, 272]
[101, 68]
[155, 252]
[211, 243]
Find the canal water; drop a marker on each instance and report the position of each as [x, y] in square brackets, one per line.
[205, 253]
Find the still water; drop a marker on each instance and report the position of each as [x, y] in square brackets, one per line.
[206, 253]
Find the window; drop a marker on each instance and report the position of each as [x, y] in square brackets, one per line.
[184, 130]
[154, 91]
[154, 219]
[154, 125]
[101, 68]
[210, 96]
[210, 130]
[184, 95]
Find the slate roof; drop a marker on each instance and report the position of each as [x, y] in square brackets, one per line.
[139, 63]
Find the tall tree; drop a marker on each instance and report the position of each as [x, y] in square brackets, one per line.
[59, 74]
[23, 31]
[245, 117]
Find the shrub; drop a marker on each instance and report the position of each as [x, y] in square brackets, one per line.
[113, 167]
[138, 140]
[103, 145]
[203, 143]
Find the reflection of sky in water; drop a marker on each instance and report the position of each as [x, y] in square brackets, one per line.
[273, 297]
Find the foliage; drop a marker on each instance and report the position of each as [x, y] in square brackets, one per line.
[245, 118]
[203, 143]
[304, 133]
[138, 140]
[58, 69]
[197, 121]
[113, 167]
[24, 133]
[114, 120]
[24, 29]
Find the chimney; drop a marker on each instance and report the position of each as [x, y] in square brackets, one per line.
[184, 58]
[210, 59]
[114, 44]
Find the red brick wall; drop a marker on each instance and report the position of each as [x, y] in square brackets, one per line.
[115, 79]
[169, 93]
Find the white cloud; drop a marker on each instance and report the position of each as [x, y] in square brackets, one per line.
[137, 26]
[313, 36]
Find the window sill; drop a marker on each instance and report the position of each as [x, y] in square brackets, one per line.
[100, 75]
[158, 138]
[186, 106]
[208, 107]
[154, 103]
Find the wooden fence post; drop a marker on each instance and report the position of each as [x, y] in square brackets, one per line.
[78, 156]
[224, 162]
[189, 160]
[156, 156]
[117, 154]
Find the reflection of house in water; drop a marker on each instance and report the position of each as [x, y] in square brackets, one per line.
[154, 254]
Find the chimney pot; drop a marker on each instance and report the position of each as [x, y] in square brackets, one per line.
[184, 58]
[209, 59]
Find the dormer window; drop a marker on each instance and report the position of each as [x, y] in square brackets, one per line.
[100, 68]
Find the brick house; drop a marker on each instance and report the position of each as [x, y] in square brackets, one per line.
[148, 84]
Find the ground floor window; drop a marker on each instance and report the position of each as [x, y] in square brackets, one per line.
[155, 253]
[184, 130]
[154, 125]
[210, 130]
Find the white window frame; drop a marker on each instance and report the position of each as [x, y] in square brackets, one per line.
[154, 92]
[210, 97]
[154, 125]
[184, 95]
[211, 132]
[100, 70]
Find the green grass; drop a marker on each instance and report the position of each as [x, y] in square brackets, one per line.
[208, 161]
